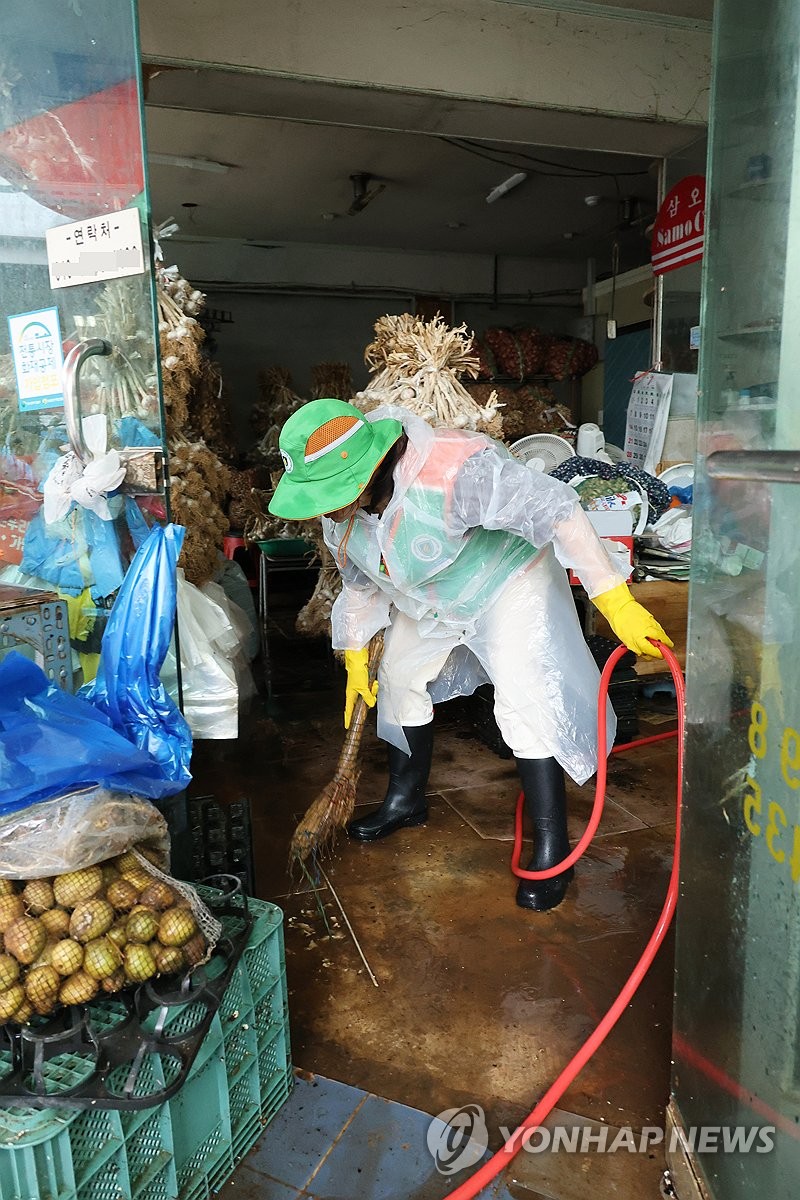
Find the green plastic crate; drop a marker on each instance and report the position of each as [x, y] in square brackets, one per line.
[245, 1109]
[150, 1153]
[186, 1148]
[201, 1129]
[237, 1021]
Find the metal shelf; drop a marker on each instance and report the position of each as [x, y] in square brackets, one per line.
[39, 620]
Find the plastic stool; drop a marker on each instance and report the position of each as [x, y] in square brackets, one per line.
[231, 543]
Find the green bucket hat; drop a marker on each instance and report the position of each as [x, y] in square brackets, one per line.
[330, 452]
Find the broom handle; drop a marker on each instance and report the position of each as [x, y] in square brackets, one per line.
[352, 741]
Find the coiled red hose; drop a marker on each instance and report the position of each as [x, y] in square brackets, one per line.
[500, 1160]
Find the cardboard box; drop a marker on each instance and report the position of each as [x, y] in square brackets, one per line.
[668, 601]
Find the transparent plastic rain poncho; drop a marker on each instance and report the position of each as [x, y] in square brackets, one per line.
[470, 530]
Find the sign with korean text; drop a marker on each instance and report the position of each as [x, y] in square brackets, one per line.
[38, 358]
[106, 247]
[680, 226]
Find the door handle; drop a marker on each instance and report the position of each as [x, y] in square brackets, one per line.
[72, 392]
[766, 466]
[144, 465]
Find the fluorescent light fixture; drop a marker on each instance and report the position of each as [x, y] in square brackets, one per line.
[193, 164]
[506, 186]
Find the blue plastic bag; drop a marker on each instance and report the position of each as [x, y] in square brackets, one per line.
[127, 688]
[684, 494]
[52, 743]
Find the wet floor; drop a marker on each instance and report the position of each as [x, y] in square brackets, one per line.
[461, 997]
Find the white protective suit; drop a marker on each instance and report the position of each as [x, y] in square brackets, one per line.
[461, 570]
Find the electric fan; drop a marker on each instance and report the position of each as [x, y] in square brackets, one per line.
[542, 451]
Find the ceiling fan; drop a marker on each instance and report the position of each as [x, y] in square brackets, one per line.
[363, 193]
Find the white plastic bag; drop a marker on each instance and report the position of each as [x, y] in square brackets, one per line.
[674, 529]
[240, 655]
[88, 485]
[208, 642]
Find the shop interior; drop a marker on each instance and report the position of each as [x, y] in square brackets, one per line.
[289, 217]
[358, 223]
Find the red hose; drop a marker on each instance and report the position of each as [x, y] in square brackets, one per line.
[645, 741]
[500, 1160]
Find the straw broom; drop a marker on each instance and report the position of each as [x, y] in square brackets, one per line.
[334, 805]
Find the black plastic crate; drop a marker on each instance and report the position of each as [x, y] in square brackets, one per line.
[209, 837]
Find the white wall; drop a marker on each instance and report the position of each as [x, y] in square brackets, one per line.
[216, 264]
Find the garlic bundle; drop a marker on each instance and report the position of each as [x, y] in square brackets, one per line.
[180, 338]
[278, 402]
[186, 299]
[416, 364]
[332, 380]
[199, 486]
[125, 383]
[314, 619]
[209, 411]
[261, 524]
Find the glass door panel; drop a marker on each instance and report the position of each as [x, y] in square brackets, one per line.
[71, 154]
[737, 1011]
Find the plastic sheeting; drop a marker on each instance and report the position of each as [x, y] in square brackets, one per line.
[674, 529]
[232, 579]
[127, 687]
[52, 742]
[214, 671]
[78, 830]
[466, 520]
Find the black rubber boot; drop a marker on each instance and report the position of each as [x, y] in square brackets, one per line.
[546, 805]
[405, 802]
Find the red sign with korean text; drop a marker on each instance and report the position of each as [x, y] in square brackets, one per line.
[680, 226]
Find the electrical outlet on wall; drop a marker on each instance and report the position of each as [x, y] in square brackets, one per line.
[611, 328]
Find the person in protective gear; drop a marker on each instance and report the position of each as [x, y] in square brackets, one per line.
[457, 550]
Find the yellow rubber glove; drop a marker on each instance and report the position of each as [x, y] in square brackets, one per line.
[357, 666]
[631, 622]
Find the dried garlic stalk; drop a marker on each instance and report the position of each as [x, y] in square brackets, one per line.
[278, 402]
[416, 364]
[199, 485]
[331, 380]
[262, 525]
[180, 337]
[314, 619]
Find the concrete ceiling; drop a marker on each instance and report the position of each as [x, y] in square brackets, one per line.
[291, 145]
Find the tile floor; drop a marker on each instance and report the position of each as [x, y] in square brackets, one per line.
[332, 1140]
[477, 1001]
